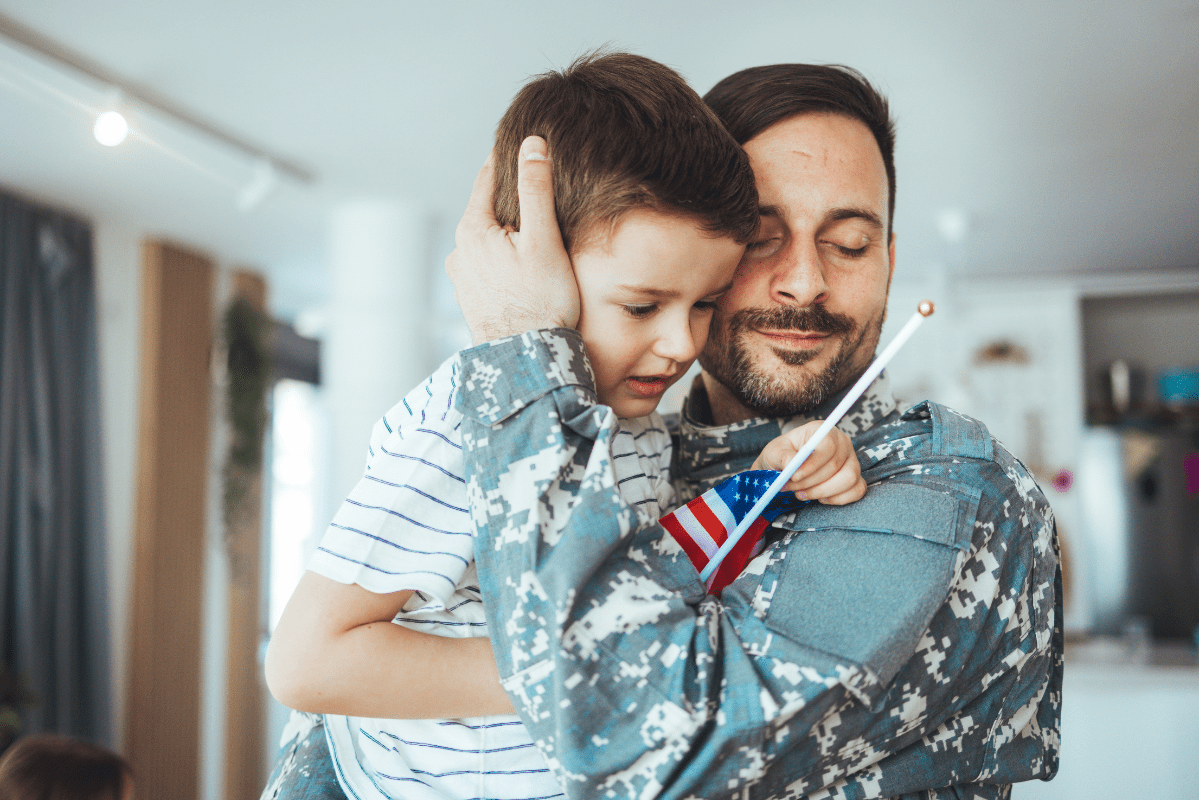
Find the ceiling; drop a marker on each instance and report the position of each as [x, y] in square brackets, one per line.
[1063, 134]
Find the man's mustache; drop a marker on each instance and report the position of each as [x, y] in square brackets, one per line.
[812, 319]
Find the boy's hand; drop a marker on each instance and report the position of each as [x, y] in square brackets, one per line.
[508, 283]
[830, 475]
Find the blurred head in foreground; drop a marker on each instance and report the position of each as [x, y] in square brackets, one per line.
[46, 767]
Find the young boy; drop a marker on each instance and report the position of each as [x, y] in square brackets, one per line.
[655, 202]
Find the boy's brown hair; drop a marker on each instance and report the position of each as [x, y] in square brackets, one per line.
[625, 132]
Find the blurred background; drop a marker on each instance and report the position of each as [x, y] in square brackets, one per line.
[209, 301]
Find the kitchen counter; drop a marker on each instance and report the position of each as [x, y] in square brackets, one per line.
[1130, 724]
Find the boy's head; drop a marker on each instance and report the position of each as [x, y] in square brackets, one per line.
[639, 164]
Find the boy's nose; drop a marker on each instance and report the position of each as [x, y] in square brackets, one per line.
[677, 341]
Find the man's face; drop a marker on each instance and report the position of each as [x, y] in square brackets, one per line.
[809, 297]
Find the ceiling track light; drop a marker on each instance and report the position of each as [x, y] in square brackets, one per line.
[112, 127]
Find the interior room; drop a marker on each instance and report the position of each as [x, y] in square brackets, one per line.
[239, 214]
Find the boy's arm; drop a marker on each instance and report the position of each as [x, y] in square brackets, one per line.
[403, 527]
[336, 651]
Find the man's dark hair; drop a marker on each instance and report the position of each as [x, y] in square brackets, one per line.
[625, 132]
[750, 101]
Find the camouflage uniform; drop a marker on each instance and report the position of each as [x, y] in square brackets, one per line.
[908, 645]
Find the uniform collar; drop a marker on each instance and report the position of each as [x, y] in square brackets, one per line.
[706, 450]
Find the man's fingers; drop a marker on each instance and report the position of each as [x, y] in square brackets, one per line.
[480, 210]
[535, 192]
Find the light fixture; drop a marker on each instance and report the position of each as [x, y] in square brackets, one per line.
[110, 128]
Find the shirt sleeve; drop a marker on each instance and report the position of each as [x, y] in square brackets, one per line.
[635, 683]
[405, 524]
[646, 486]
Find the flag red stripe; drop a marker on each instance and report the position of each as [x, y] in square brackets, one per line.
[738, 557]
[710, 521]
[694, 552]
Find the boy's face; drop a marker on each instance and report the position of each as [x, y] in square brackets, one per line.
[647, 294]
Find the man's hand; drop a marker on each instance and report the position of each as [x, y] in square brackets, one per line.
[508, 283]
[830, 475]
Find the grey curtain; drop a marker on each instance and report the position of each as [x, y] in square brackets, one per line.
[53, 586]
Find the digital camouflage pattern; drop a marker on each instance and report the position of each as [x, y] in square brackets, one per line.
[908, 645]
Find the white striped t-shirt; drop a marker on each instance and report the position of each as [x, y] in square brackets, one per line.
[406, 526]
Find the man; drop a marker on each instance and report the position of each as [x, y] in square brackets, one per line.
[908, 645]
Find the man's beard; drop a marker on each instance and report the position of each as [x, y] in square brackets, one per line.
[784, 392]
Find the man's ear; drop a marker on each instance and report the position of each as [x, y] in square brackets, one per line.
[891, 257]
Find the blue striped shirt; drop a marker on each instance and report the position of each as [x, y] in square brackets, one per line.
[406, 526]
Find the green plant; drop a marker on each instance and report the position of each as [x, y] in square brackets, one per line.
[247, 334]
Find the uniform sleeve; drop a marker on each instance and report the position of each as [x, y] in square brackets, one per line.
[405, 524]
[635, 683]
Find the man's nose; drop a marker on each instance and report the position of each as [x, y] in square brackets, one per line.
[798, 278]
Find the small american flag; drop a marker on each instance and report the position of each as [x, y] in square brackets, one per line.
[702, 525]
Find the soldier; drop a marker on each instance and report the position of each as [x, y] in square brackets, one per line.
[908, 645]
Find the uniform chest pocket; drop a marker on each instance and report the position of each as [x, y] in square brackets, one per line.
[861, 582]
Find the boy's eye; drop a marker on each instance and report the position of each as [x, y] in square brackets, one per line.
[640, 312]
[705, 305]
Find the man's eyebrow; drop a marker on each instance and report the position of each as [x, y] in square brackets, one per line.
[857, 213]
[868, 216]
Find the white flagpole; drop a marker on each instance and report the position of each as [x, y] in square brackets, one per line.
[924, 309]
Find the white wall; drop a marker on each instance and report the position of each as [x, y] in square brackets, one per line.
[118, 300]
[375, 348]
